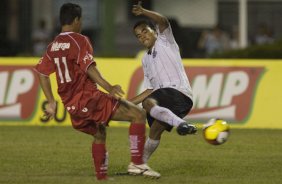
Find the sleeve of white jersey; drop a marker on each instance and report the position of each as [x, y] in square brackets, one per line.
[166, 35]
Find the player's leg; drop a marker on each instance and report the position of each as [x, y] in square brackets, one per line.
[160, 103]
[99, 152]
[134, 114]
[127, 111]
[161, 113]
[153, 140]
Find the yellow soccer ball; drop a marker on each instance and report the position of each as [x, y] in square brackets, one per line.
[216, 131]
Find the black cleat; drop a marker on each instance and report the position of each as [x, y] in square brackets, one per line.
[185, 128]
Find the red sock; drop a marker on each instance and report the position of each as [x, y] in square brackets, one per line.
[100, 158]
[137, 140]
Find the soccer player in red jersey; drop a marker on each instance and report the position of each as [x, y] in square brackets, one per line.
[70, 56]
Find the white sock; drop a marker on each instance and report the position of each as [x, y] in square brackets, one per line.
[149, 148]
[165, 115]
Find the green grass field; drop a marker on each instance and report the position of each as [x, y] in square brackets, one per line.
[61, 155]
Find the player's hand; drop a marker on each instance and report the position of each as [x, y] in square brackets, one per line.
[50, 110]
[137, 9]
[116, 91]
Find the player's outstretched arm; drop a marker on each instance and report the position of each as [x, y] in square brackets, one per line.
[159, 19]
[95, 75]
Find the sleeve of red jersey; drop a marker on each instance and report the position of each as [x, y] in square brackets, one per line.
[45, 66]
[86, 55]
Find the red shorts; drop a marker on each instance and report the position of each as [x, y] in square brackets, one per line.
[92, 109]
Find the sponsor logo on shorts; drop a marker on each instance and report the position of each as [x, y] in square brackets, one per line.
[84, 109]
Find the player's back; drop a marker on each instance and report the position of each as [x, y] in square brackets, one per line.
[71, 54]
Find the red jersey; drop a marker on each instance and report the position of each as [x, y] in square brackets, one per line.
[69, 55]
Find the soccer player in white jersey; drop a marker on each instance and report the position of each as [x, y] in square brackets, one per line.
[168, 95]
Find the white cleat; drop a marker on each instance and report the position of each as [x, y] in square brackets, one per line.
[142, 169]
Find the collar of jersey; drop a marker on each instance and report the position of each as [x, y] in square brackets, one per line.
[65, 33]
[150, 51]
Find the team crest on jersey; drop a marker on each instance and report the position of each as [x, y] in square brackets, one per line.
[87, 56]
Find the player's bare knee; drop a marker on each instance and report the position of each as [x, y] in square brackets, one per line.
[148, 104]
[100, 135]
[99, 138]
[139, 115]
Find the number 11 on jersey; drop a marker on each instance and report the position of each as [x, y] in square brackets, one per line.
[67, 74]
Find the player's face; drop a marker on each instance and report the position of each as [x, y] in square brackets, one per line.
[145, 35]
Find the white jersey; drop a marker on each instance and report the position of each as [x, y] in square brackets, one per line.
[163, 66]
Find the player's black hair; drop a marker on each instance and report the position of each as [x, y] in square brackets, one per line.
[69, 12]
[144, 22]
